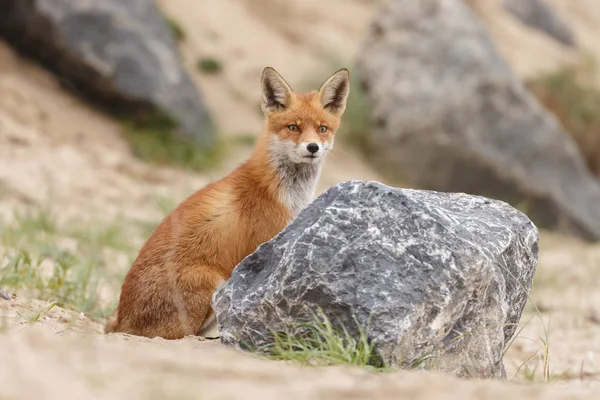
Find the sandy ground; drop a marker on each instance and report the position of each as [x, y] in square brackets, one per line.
[56, 150]
[62, 356]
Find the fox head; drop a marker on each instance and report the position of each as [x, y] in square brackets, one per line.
[302, 126]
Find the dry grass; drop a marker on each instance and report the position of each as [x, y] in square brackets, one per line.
[572, 95]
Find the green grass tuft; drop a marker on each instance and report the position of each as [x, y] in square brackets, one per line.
[319, 343]
[161, 144]
[176, 29]
[70, 263]
[36, 317]
[30, 226]
[54, 276]
[209, 65]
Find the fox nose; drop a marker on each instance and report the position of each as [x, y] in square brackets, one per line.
[312, 147]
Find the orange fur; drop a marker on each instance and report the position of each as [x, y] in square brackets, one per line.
[168, 290]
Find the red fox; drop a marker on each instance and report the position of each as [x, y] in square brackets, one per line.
[168, 290]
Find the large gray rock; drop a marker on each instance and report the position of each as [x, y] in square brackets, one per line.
[442, 276]
[120, 54]
[539, 15]
[450, 116]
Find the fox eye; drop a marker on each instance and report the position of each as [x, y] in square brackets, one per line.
[293, 127]
[322, 129]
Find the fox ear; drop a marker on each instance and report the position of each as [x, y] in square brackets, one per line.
[334, 92]
[276, 93]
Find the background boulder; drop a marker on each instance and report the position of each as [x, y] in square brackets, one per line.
[539, 15]
[449, 115]
[119, 54]
[442, 277]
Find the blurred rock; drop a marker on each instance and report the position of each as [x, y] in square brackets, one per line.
[442, 277]
[119, 54]
[539, 15]
[449, 115]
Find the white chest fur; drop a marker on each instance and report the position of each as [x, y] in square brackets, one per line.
[298, 186]
[297, 181]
